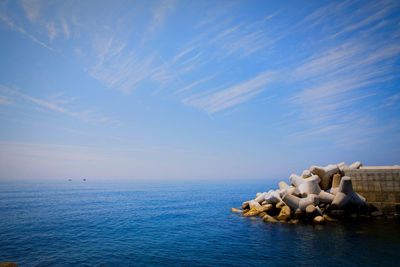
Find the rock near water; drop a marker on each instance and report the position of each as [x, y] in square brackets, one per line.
[309, 197]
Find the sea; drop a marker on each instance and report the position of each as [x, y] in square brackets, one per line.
[180, 223]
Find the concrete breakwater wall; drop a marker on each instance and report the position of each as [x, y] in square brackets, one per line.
[380, 185]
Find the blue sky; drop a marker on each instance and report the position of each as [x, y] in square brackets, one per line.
[196, 89]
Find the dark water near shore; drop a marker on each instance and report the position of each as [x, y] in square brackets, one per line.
[185, 224]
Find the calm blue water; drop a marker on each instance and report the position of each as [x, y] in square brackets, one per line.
[185, 224]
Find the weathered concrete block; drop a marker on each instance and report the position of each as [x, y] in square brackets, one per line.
[370, 197]
[379, 198]
[377, 186]
[391, 197]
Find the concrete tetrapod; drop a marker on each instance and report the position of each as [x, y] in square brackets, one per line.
[284, 215]
[300, 203]
[313, 211]
[306, 174]
[256, 209]
[335, 183]
[342, 165]
[295, 180]
[268, 218]
[283, 185]
[273, 197]
[346, 195]
[307, 185]
[279, 205]
[245, 205]
[319, 220]
[260, 197]
[310, 185]
[270, 197]
[285, 188]
[325, 173]
[306, 198]
[355, 165]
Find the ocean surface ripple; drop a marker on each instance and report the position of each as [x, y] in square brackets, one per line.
[172, 224]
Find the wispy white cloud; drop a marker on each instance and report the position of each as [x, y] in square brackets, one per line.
[40, 102]
[196, 83]
[59, 98]
[118, 65]
[191, 62]
[243, 39]
[225, 39]
[337, 19]
[231, 96]
[122, 70]
[165, 74]
[338, 77]
[51, 30]
[375, 17]
[345, 74]
[239, 39]
[55, 104]
[31, 9]
[391, 101]
[328, 61]
[187, 61]
[220, 37]
[54, 26]
[319, 16]
[65, 28]
[351, 130]
[182, 54]
[336, 70]
[160, 13]
[5, 101]
[107, 48]
[158, 16]
[6, 20]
